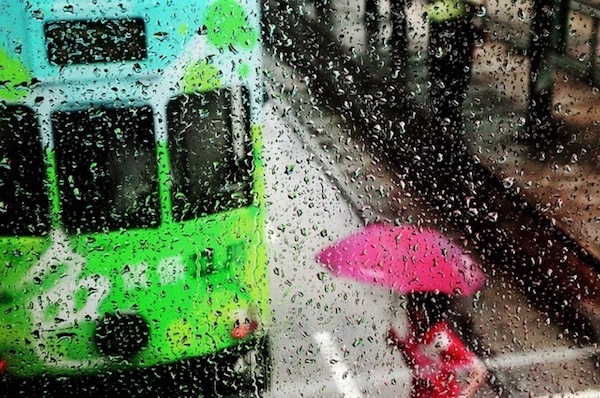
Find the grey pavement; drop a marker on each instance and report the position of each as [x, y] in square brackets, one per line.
[560, 177]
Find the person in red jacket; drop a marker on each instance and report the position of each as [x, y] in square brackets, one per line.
[435, 354]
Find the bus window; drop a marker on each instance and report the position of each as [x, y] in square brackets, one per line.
[85, 42]
[210, 152]
[24, 204]
[107, 168]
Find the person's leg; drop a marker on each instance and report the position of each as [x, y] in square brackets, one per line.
[399, 37]
[372, 24]
[449, 53]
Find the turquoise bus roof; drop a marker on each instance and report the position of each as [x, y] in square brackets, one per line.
[170, 26]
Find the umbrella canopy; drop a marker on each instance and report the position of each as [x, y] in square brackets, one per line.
[405, 258]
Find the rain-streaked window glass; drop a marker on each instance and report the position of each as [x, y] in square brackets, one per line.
[24, 204]
[95, 41]
[107, 168]
[210, 152]
[313, 198]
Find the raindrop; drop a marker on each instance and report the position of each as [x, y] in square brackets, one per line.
[508, 182]
[161, 35]
[38, 14]
[493, 216]
[5, 164]
[203, 30]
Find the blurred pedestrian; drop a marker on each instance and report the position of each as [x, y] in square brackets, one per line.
[437, 357]
[371, 21]
[429, 268]
[451, 39]
[398, 40]
[324, 12]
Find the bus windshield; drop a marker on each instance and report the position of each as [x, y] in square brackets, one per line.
[24, 204]
[107, 168]
[210, 152]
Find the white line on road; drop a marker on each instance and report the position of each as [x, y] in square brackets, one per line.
[556, 355]
[348, 385]
[579, 394]
[341, 374]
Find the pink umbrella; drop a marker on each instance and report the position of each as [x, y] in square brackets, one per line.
[406, 259]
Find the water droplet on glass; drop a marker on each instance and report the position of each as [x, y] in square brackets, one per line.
[508, 182]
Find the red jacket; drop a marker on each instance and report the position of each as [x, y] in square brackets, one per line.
[434, 358]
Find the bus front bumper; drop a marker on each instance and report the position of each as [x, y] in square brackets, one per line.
[236, 371]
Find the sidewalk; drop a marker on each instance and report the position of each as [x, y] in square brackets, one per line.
[560, 176]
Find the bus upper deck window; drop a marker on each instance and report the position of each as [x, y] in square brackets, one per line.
[24, 204]
[210, 151]
[107, 168]
[86, 42]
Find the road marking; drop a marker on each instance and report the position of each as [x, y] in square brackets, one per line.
[348, 385]
[555, 355]
[579, 394]
[341, 374]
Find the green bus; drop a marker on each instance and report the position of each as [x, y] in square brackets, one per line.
[131, 196]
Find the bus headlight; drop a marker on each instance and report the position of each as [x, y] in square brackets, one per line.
[245, 323]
